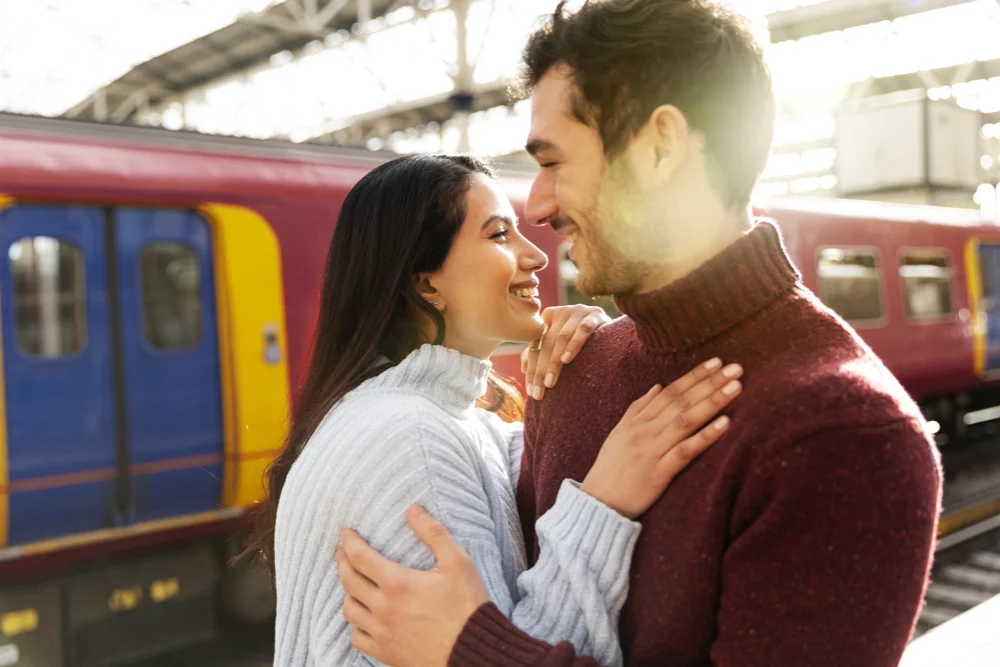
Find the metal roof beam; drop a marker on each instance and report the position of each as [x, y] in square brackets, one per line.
[287, 26]
[834, 15]
[323, 17]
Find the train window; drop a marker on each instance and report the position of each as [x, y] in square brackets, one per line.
[927, 283]
[49, 296]
[171, 295]
[567, 274]
[849, 282]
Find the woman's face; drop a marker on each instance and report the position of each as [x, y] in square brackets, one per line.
[487, 285]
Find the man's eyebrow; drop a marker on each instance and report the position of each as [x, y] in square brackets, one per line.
[536, 146]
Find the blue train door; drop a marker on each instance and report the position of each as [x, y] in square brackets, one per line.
[111, 367]
[989, 267]
[173, 400]
[61, 446]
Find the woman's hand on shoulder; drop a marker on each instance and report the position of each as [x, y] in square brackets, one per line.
[660, 434]
[567, 329]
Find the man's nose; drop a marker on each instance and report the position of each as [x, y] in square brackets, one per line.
[541, 208]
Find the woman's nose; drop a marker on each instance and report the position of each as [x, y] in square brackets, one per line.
[533, 259]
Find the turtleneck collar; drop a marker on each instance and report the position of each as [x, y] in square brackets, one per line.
[448, 378]
[721, 293]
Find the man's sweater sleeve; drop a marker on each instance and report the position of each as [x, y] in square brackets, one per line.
[833, 539]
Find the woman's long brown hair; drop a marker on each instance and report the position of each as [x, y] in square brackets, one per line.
[400, 220]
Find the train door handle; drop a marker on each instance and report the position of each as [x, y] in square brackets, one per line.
[272, 350]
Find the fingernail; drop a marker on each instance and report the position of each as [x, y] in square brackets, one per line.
[732, 370]
[566, 357]
[731, 388]
[418, 511]
[721, 423]
[550, 380]
[713, 364]
[536, 393]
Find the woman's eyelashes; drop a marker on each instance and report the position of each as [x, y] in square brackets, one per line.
[501, 234]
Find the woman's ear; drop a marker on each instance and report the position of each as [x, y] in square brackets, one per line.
[427, 291]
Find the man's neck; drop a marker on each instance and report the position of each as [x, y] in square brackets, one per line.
[699, 249]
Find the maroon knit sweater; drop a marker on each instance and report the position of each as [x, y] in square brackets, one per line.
[803, 537]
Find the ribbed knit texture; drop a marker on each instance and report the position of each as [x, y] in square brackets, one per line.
[803, 537]
[412, 435]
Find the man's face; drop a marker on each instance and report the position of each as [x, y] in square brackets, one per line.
[598, 206]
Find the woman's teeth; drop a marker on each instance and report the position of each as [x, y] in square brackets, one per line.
[526, 292]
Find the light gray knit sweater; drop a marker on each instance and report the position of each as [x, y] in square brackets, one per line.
[413, 435]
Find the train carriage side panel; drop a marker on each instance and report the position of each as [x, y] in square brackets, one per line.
[256, 378]
[929, 354]
[5, 201]
[253, 348]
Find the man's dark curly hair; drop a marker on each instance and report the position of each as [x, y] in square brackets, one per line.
[629, 57]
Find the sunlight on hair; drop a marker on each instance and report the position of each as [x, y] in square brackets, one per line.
[755, 14]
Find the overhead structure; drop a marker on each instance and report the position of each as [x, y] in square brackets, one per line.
[250, 41]
[432, 75]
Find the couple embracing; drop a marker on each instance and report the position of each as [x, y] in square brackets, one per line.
[726, 475]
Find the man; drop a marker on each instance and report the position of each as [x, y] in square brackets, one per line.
[805, 535]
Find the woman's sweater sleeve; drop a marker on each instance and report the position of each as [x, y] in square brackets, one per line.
[513, 436]
[576, 590]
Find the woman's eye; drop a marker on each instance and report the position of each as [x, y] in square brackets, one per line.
[501, 235]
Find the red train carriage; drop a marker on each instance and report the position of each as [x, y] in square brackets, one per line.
[158, 293]
[919, 284]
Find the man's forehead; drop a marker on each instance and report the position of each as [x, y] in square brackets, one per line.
[552, 106]
[555, 91]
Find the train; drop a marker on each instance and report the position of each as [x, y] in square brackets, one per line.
[158, 295]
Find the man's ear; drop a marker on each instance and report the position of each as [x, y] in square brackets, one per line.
[669, 133]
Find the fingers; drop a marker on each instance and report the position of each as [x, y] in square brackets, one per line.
[582, 330]
[569, 327]
[555, 344]
[536, 379]
[699, 405]
[362, 641]
[355, 584]
[530, 364]
[373, 565]
[639, 404]
[358, 615]
[677, 394]
[679, 457]
[434, 534]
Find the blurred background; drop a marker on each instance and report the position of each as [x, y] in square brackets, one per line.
[228, 131]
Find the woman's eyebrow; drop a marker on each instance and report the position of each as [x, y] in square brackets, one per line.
[502, 218]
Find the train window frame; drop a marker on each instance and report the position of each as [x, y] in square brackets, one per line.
[83, 303]
[146, 342]
[904, 297]
[874, 323]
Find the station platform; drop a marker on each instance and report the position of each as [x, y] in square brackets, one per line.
[968, 640]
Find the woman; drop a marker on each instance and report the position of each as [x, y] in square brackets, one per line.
[427, 275]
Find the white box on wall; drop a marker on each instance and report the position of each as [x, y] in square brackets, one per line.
[916, 143]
